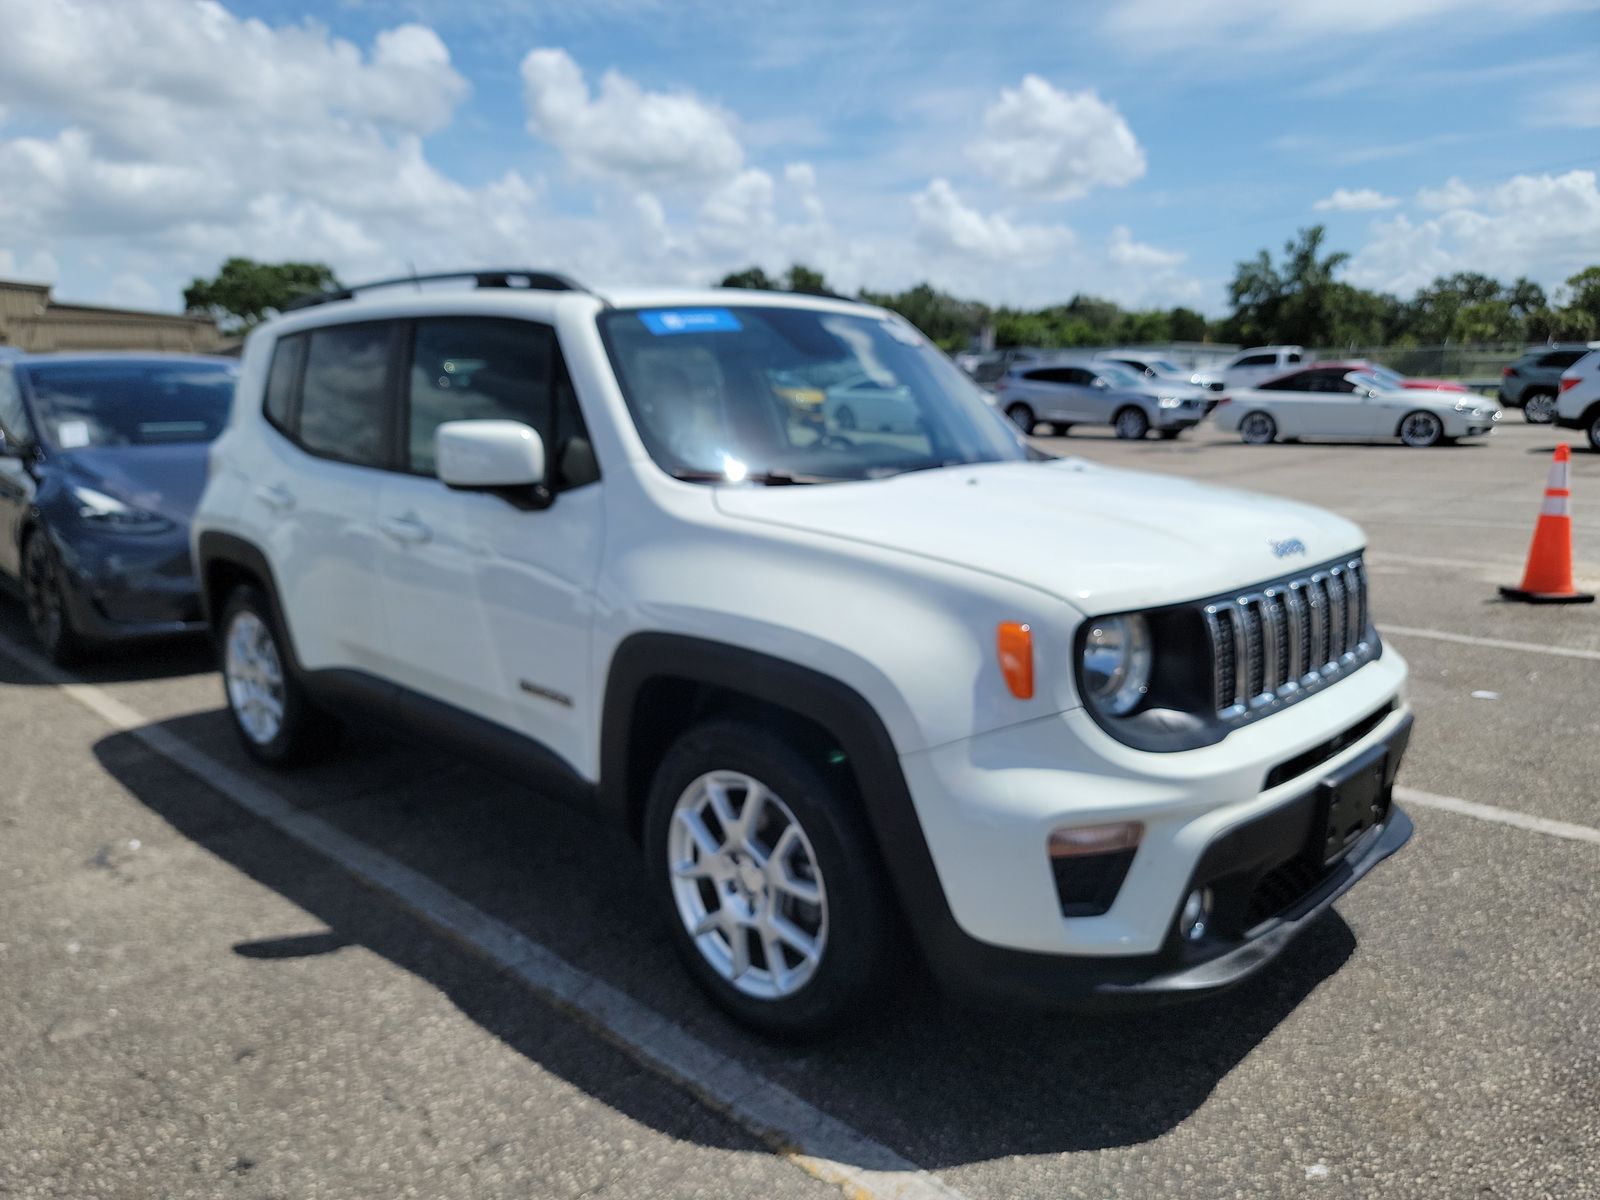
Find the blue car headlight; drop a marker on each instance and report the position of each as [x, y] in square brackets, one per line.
[102, 511]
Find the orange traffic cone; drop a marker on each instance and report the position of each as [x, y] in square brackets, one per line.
[1548, 578]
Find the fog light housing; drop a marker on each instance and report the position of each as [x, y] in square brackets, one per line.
[1195, 918]
[1090, 862]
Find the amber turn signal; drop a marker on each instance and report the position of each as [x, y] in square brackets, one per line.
[1016, 658]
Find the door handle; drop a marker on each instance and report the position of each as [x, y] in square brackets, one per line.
[406, 530]
[276, 497]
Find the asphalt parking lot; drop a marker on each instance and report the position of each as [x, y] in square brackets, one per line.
[216, 981]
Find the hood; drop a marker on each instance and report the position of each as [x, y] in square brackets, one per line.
[1105, 540]
[1435, 385]
[166, 480]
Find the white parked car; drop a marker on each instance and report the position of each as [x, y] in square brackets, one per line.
[1354, 406]
[1250, 368]
[1578, 401]
[1079, 734]
[1158, 371]
[870, 402]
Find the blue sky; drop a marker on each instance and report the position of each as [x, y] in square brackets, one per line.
[1014, 152]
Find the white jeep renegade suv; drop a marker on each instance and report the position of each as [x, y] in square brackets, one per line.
[1078, 735]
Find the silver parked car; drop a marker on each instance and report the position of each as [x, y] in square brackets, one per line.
[1067, 392]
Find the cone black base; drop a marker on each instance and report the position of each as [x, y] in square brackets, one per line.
[1511, 593]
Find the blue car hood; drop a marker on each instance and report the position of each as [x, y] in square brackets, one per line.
[166, 480]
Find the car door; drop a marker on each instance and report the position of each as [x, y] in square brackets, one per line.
[1098, 400]
[313, 498]
[489, 597]
[1340, 404]
[1041, 389]
[16, 480]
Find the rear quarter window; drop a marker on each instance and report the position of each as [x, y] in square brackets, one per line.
[283, 381]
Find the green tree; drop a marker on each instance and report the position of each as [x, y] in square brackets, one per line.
[246, 292]
[1583, 298]
[750, 277]
[801, 278]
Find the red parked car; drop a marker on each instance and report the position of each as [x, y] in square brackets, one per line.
[1387, 380]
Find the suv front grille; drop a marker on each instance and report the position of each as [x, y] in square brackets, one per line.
[1270, 645]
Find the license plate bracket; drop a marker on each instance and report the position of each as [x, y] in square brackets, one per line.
[1350, 802]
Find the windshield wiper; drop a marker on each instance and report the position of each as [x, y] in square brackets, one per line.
[769, 478]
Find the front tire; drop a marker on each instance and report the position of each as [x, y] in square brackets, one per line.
[271, 712]
[766, 873]
[44, 597]
[1131, 424]
[1539, 408]
[1257, 429]
[1421, 429]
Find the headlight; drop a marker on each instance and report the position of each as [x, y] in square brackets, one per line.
[1116, 664]
[1466, 406]
[108, 512]
[1169, 401]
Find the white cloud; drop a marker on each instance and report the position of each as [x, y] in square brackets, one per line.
[1144, 25]
[1355, 200]
[164, 135]
[946, 225]
[1574, 105]
[649, 139]
[1056, 145]
[1542, 226]
[1125, 252]
[37, 266]
[1453, 193]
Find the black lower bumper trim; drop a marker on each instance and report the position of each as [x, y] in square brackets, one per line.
[1237, 863]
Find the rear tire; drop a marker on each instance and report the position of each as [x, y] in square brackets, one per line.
[1022, 417]
[1257, 429]
[1130, 424]
[1421, 429]
[44, 585]
[270, 710]
[845, 419]
[1539, 408]
[746, 889]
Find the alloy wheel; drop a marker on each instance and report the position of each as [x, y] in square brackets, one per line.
[41, 592]
[1540, 409]
[1131, 424]
[1421, 429]
[1258, 429]
[747, 885]
[254, 674]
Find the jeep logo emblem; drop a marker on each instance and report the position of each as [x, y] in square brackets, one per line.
[1286, 547]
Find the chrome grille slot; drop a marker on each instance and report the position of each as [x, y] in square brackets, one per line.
[1294, 634]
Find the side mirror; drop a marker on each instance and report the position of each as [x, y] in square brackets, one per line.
[488, 455]
[1101, 384]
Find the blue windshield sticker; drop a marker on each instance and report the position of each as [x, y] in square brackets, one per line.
[690, 320]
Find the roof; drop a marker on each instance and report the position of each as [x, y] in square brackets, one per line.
[82, 357]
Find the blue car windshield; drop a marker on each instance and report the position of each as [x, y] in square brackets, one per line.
[797, 395]
[83, 405]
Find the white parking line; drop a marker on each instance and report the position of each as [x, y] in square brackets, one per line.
[797, 1131]
[1467, 639]
[1500, 816]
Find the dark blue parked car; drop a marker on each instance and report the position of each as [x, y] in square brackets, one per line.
[102, 460]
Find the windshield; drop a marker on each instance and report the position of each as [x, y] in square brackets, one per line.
[794, 395]
[131, 404]
[1162, 366]
[1388, 380]
[1119, 377]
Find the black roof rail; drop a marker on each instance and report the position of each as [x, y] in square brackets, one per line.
[515, 277]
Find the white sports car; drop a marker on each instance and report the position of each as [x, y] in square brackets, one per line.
[1357, 407]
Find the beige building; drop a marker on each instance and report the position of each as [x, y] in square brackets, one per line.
[30, 320]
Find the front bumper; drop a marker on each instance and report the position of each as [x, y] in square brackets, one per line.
[1234, 816]
[122, 588]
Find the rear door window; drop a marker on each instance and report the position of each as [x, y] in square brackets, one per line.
[1258, 360]
[344, 402]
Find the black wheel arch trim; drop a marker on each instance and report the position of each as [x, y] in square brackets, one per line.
[821, 699]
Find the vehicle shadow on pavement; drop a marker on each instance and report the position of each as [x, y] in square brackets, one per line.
[942, 1084]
